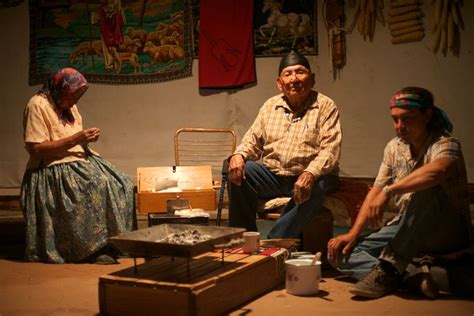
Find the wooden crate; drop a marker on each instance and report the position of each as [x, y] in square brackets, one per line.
[317, 232]
[210, 287]
[194, 184]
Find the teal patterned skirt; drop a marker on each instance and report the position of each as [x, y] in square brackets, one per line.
[71, 209]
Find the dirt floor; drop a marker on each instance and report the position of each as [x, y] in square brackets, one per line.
[72, 289]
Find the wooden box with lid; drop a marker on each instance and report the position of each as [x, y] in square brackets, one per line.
[158, 187]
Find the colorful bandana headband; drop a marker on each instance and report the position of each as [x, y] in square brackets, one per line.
[63, 83]
[402, 99]
[440, 119]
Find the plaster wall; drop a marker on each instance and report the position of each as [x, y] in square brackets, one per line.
[138, 121]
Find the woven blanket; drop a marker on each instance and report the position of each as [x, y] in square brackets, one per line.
[351, 194]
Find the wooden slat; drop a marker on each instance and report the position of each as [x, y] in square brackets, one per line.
[212, 289]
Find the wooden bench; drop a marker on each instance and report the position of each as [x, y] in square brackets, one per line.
[12, 222]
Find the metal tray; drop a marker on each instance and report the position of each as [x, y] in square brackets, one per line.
[143, 242]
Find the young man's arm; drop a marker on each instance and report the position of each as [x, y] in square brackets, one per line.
[425, 177]
[371, 212]
[348, 240]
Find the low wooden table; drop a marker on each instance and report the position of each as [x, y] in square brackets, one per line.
[216, 284]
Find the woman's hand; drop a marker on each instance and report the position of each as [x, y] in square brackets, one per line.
[51, 149]
[88, 135]
[236, 169]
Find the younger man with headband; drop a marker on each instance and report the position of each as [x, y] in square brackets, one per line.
[423, 169]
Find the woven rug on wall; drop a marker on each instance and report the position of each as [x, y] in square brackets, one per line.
[111, 41]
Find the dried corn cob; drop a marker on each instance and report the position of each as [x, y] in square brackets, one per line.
[366, 14]
[405, 21]
[446, 23]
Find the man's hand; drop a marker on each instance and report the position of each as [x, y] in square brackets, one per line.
[303, 186]
[340, 246]
[375, 210]
[236, 169]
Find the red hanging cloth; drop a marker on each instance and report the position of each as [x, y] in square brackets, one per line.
[226, 56]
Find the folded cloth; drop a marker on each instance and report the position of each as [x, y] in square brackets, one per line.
[263, 251]
[194, 212]
[166, 183]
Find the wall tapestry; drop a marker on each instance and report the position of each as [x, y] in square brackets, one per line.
[9, 3]
[111, 41]
[279, 25]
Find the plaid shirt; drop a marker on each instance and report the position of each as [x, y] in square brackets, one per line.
[398, 163]
[292, 142]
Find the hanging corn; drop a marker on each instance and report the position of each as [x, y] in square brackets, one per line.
[367, 12]
[446, 23]
[406, 21]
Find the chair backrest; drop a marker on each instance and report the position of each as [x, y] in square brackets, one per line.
[204, 146]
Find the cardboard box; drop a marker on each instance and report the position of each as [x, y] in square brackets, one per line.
[158, 186]
[166, 286]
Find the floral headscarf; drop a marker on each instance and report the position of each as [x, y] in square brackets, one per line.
[440, 119]
[65, 82]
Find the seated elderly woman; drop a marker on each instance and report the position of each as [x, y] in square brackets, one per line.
[72, 198]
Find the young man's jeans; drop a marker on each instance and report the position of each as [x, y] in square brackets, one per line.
[261, 184]
[428, 226]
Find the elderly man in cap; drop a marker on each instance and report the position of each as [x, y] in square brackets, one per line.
[423, 169]
[297, 136]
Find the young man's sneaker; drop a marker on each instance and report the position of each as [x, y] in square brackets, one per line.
[421, 279]
[377, 283]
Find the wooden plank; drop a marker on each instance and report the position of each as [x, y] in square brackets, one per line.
[10, 203]
[149, 202]
[237, 288]
[120, 299]
[167, 271]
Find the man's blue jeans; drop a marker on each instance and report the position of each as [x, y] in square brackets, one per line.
[428, 226]
[262, 184]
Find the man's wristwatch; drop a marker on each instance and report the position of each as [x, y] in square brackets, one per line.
[387, 190]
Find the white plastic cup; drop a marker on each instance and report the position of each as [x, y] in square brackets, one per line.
[302, 278]
[251, 242]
